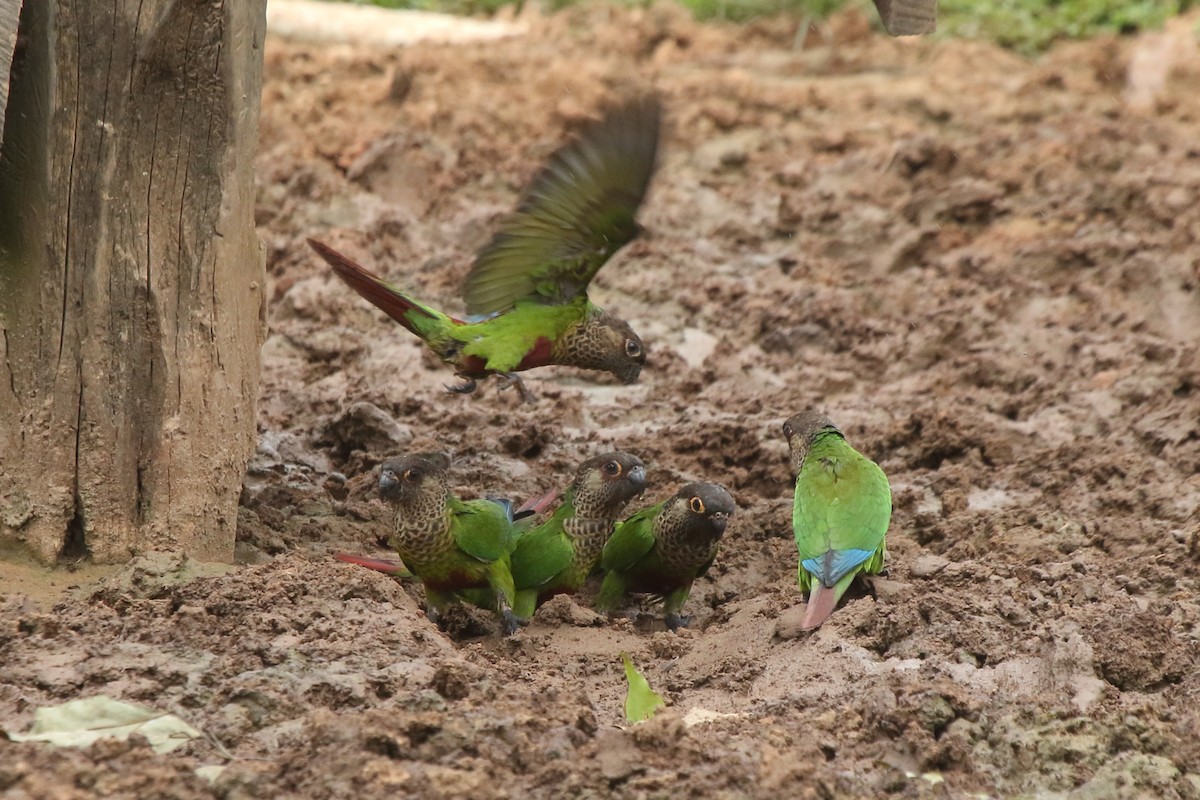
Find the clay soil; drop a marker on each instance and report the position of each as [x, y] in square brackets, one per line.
[983, 267]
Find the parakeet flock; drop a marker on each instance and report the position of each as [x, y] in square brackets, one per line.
[527, 306]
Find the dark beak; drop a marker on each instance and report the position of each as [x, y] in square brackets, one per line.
[637, 477]
[631, 374]
[387, 482]
[719, 520]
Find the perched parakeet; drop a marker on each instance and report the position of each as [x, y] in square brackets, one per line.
[526, 293]
[530, 508]
[662, 549]
[842, 508]
[557, 556]
[448, 543]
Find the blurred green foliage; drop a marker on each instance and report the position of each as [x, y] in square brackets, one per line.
[732, 10]
[1028, 26]
[1031, 26]
[742, 10]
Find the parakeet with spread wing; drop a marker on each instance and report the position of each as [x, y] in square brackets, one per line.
[526, 293]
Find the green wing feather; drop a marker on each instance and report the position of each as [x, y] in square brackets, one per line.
[543, 552]
[481, 528]
[631, 540]
[504, 341]
[577, 212]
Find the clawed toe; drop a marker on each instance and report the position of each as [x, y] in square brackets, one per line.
[511, 379]
[675, 622]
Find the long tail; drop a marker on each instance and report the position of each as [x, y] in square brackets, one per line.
[536, 505]
[378, 564]
[400, 307]
[821, 602]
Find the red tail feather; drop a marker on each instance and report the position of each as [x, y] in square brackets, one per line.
[368, 285]
[821, 602]
[378, 564]
[536, 505]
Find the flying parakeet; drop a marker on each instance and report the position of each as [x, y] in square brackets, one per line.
[662, 549]
[526, 294]
[448, 543]
[557, 556]
[842, 508]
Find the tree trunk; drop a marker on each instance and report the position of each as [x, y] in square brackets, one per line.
[131, 278]
[908, 17]
[9, 12]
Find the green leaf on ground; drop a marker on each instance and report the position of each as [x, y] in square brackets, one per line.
[641, 702]
[79, 723]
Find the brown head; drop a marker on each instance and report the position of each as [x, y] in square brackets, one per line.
[695, 517]
[603, 342]
[605, 483]
[416, 484]
[801, 431]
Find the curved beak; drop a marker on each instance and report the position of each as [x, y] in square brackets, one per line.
[719, 520]
[637, 477]
[630, 374]
[387, 482]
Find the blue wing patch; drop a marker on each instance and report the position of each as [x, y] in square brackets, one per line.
[836, 564]
[507, 505]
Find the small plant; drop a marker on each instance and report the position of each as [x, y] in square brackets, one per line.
[641, 702]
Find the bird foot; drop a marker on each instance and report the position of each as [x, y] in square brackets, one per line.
[466, 387]
[434, 616]
[511, 622]
[675, 622]
[512, 379]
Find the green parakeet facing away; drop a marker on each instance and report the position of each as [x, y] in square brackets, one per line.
[526, 294]
[449, 544]
[662, 549]
[840, 515]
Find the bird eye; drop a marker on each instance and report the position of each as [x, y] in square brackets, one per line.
[612, 468]
[787, 429]
[633, 348]
[697, 505]
[411, 474]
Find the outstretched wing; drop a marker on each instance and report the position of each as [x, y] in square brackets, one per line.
[576, 213]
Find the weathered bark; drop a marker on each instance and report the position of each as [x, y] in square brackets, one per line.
[9, 12]
[131, 302]
[908, 17]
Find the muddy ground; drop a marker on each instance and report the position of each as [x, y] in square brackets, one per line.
[983, 267]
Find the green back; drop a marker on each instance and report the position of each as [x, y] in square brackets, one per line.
[576, 213]
[631, 540]
[481, 528]
[503, 341]
[542, 553]
[842, 500]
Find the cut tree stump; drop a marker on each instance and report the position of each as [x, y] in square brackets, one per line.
[131, 278]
